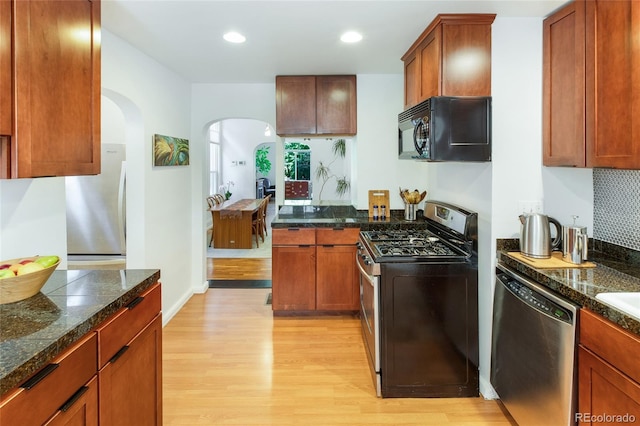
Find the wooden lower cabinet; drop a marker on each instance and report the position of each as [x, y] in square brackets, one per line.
[131, 382]
[314, 269]
[293, 278]
[605, 391]
[41, 396]
[608, 372]
[112, 376]
[336, 276]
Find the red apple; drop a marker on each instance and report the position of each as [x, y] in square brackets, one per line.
[25, 261]
[5, 266]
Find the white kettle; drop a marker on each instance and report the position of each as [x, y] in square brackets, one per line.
[535, 235]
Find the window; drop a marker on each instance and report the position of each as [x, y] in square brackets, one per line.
[297, 161]
[214, 158]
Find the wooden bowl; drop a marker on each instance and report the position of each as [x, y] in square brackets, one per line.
[21, 287]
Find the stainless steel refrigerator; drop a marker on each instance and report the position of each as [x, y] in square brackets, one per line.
[96, 220]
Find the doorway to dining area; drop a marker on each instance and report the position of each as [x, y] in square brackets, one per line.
[235, 145]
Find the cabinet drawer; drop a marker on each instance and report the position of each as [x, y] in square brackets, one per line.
[118, 330]
[612, 343]
[45, 392]
[343, 236]
[293, 236]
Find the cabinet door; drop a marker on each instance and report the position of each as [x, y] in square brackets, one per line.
[130, 384]
[6, 95]
[295, 105]
[613, 84]
[337, 278]
[336, 105]
[466, 59]
[57, 78]
[563, 87]
[411, 80]
[603, 390]
[81, 409]
[293, 278]
[430, 52]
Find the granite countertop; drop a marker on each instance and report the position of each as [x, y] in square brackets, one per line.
[581, 285]
[318, 216]
[71, 303]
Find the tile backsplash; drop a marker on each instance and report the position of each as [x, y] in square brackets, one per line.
[616, 207]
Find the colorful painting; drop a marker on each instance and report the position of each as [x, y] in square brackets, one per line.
[169, 151]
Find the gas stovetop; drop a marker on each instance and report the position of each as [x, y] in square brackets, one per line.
[416, 244]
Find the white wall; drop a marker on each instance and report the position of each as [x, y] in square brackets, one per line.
[380, 100]
[154, 100]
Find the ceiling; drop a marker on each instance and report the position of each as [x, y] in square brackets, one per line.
[292, 37]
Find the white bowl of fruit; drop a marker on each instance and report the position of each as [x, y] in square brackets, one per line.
[24, 277]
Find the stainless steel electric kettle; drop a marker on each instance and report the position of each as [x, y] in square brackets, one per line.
[535, 235]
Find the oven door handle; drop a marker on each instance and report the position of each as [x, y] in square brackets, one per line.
[364, 273]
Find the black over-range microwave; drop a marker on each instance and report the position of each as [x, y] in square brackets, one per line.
[446, 128]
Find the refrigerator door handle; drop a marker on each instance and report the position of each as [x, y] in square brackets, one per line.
[122, 217]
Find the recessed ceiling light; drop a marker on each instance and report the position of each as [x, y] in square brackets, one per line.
[351, 37]
[234, 37]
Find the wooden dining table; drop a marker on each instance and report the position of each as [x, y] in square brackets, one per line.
[232, 223]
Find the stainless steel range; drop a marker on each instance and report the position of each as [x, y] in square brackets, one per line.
[419, 305]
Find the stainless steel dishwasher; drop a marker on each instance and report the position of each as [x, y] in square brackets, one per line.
[533, 351]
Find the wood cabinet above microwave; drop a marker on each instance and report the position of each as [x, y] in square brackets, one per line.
[591, 87]
[53, 88]
[452, 57]
[316, 105]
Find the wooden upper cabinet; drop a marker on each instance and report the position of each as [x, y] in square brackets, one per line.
[295, 105]
[6, 95]
[57, 86]
[563, 87]
[613, 84]
[411, 79]
[336, 105]
[591, 90]
[316, 105]
[452, 57]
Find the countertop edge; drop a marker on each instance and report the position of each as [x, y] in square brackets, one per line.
[584, 300]
[28, 368]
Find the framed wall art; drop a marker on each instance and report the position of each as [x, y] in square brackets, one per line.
[170, 151]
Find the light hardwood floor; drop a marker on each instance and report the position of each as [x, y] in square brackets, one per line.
[239, 269]
[227, 361]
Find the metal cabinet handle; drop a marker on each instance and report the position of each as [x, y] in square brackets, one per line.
[76, 396]
[135, 302]
[39, 376]
[119, 354]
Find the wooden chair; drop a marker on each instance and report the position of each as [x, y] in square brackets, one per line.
[213, 201]
[264, 218]
[257, 222]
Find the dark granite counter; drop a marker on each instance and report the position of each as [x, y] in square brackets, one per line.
[71, 303]
[329, 216]
[615, 271]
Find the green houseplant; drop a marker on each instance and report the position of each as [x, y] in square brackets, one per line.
[263, 164]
